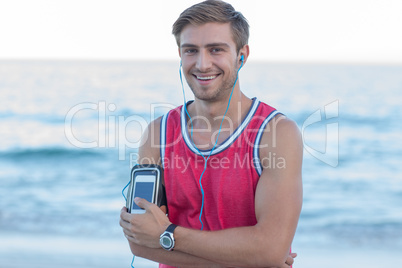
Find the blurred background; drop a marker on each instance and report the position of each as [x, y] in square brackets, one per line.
[79, 80]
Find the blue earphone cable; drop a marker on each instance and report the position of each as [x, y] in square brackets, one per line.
[216, 142]
[122, 192]
[205, 159]
[125, 198]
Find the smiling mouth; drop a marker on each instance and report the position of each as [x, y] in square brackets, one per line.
[206, 78]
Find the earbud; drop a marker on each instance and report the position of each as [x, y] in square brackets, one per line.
[242, 61]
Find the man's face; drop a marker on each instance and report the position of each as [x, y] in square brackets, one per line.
[209, 59]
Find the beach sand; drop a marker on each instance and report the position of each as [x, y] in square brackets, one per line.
[62, 252]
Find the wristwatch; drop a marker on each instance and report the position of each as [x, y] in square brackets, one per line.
[167, 239]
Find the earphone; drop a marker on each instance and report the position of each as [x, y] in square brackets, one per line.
[217, 137]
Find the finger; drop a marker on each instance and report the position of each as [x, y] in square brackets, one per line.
[164, 209]
[142, 203]
[285, 265]
[289, 260]
[124, 215]
[129, 236]
[127, 226]
[123, 210]
[124, 224]
[126, 233]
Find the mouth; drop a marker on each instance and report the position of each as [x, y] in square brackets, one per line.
[206, 78]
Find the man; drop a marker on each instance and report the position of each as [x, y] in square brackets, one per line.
[229, 205]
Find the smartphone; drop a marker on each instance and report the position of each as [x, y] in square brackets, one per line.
[145, 183]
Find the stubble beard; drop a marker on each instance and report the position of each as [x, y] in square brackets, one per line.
[218, 93]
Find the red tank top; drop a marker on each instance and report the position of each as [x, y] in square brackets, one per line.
[231, 177]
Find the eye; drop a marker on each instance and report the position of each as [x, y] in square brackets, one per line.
[216, 50]
[190, 51]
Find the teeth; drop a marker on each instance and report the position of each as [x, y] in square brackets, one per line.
[206, 77]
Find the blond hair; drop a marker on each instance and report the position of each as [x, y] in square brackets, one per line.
[214, 11]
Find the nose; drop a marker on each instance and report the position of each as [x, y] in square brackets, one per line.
[204, 62]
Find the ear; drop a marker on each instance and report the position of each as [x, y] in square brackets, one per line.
[245, 52]
[178, 49]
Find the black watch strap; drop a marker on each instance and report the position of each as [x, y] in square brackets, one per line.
[171, 228]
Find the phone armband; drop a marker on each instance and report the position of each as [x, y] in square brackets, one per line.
[146, 183]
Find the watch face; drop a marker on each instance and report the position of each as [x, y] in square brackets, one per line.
[166, 241]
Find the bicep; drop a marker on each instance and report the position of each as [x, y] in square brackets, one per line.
[149, 149]
[278, 196]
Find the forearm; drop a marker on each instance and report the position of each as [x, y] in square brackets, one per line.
[240, 247]
[172, 258]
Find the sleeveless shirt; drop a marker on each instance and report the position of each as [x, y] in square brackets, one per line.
[229, 181]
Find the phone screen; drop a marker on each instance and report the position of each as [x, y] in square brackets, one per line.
[143, 189]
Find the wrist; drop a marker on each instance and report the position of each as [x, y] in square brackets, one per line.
[166, 239]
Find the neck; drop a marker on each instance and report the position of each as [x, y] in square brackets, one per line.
[209, 114]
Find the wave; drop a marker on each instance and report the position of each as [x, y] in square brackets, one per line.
[48, 153]
[50, 118]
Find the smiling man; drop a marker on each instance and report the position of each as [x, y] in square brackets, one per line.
[209, 58]
[229, 205]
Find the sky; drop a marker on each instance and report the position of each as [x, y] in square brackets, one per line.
[352, 31]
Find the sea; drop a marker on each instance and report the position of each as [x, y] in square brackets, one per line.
[70, 129]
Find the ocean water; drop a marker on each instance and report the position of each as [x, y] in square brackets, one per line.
[69, 132]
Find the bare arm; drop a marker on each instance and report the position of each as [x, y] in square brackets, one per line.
[172, 258]
[278, 202]
[149, 153]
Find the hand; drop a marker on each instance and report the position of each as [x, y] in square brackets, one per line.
[164, 209]
[144, 229]
[290, 259]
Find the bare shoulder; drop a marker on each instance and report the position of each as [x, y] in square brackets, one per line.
[149, 150]
[286, 130]
[282, 140]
